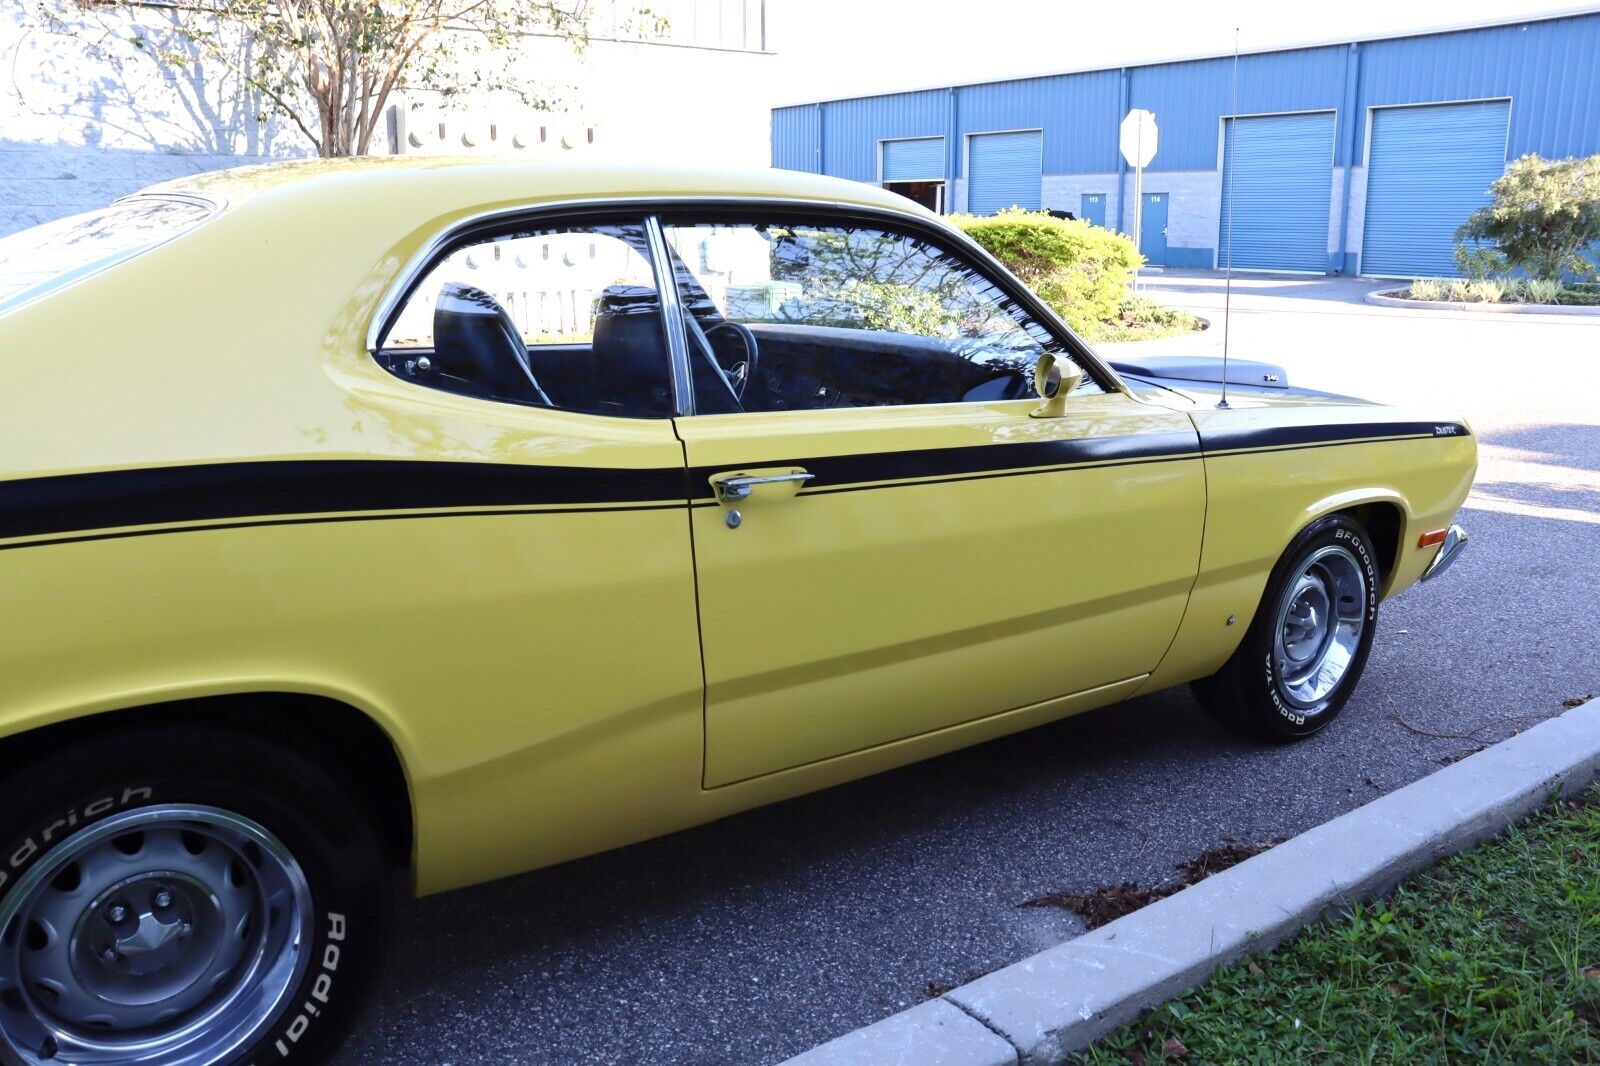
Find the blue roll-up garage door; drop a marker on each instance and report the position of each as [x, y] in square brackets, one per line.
[921, 159]
[1277, 175]
[1428, 168]
[1003, 170]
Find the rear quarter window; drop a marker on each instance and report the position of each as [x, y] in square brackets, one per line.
[55, 254]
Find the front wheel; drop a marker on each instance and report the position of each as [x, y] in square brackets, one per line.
[182, 896]
[1308, 644]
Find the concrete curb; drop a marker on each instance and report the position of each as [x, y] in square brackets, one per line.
[1062, 999]
[1382, 298]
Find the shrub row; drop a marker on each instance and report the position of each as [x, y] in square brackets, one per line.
[1082, 271]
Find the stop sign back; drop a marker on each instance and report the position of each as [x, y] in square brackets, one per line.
[1138, 137]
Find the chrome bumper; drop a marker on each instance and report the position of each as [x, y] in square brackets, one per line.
[1454, 541]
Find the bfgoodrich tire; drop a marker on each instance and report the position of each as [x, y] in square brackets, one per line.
[1307, 646]
[182, 896]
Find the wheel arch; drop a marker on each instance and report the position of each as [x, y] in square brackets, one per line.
[1382, 512]
[346, 739]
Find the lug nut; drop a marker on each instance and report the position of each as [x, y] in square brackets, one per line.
[109, 955]
[116, 913]
[184, 931]
[163, 897]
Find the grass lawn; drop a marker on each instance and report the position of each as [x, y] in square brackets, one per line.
[1491, 957]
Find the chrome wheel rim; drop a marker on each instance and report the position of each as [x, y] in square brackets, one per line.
[166, 936]
[1320, 621]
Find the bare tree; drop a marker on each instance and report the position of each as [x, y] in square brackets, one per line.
[330, 66]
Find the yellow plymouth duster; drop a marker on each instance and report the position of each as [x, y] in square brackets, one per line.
[449, 519]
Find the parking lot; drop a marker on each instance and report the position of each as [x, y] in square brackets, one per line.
[756, 937]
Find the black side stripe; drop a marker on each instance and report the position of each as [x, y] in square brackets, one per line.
[847, 473]
[1240, 438]
[73, 502]
[330, 489]
[833, 472]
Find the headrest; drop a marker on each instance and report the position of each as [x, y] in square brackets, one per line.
[626, 300]
[475, 340]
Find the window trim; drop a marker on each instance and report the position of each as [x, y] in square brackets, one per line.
[683, 397]
[947, 240]
[647, 208]
[213, 205]
[487, 227]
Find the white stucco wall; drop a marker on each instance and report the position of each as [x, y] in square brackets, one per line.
[88, 118]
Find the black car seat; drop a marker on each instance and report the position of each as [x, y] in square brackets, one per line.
[630, 351]
[476, 344]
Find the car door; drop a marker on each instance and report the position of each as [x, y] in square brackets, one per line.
[544, 631]
[886, 542]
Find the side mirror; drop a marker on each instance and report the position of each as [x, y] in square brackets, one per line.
[1054, 381]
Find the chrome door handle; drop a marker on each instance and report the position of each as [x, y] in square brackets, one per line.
[739, 486]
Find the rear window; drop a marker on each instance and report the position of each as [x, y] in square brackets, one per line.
[57, 253]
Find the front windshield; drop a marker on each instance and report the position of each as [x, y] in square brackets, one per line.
[56, 253]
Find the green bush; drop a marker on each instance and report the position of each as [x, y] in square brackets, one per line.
[1488, 290]
[1082, 271]
[1543, 291]
[1544, 218]
[1428, 289]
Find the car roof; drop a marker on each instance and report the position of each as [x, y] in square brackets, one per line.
[445, 182]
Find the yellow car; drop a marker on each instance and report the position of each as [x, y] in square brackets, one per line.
[452, 519]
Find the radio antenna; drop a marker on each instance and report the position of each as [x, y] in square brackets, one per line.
[1232, 165]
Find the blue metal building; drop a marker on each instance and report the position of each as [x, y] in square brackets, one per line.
[1360, 157]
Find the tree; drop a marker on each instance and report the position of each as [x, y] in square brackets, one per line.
[331, 66]
[1544, 218]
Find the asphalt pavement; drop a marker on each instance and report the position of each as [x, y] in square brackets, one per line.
[754, 938]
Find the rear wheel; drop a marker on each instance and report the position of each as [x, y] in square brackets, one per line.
[1307, 646]
[177, 897]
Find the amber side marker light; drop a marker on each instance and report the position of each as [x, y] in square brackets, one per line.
[1428, 540]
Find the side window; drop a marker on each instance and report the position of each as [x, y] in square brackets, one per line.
[796, 316]
[564, 317]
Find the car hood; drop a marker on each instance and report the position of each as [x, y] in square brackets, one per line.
[1186, 381]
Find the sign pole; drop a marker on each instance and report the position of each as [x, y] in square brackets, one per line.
[1131, 140]
[1138, 216]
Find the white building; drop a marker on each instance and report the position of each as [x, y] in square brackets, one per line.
[86, 117]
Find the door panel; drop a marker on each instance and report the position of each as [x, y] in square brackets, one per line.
[1092, 208]
[1004, 171]
[1276, 192]
[941, 564]
[1429, 168]
[1153, 228]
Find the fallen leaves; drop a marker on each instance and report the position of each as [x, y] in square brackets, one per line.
[1109, 902]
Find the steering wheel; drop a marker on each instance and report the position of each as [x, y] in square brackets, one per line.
[740, 374]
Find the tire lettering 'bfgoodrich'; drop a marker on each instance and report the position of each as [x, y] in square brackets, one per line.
[1355, 544]
[37, 843]
[1246, 693]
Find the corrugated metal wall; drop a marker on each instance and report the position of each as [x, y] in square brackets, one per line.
[1549, 69]
[1190, 99]
[797, 138]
